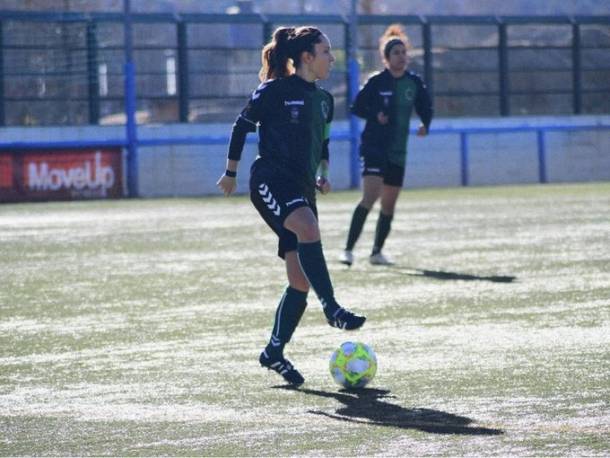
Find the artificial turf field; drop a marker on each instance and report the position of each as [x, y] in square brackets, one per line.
[133, 327]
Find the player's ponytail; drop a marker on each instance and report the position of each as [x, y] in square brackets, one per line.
[393, 35]
[282, 55]
[275, 55]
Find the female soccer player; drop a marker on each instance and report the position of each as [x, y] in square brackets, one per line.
[293, 116]
[386, 102]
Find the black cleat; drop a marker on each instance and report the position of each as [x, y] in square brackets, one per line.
[283, 367]
[344, 319]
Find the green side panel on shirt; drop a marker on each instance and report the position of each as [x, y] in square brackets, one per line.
[320, 106]
[404, 99]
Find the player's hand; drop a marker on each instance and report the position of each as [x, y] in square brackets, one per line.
[323, 185]
[227, 184]
[382, 118]
[422, 131]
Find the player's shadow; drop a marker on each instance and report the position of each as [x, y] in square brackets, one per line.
[367, 406]
[442, 275]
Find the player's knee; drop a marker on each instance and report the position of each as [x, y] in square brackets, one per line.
[300, 284]
[309, 233]
[388, 209]
[368, 202]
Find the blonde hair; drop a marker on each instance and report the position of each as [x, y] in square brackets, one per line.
[393, 35]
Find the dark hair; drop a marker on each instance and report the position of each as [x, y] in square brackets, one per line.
[393, 35]
[287, 44]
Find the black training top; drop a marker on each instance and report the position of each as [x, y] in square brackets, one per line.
[396, 98]
[294, 118]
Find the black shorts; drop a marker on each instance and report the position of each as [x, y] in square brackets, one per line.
[275, 198]
[375, 163]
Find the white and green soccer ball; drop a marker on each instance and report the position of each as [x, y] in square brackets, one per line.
[353, 365]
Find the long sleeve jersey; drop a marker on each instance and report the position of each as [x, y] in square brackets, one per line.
[293, 117]
[396, 98]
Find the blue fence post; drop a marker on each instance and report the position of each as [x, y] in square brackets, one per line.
[354, 129]
[183, 71]
[428, 56]
[464, 157]
[93, 84]
[541, 156]
[503, 70]
[2, 118]
[131, 128]
[353, 77]
[576, 70]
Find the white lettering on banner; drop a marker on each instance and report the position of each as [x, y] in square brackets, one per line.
[91, 175]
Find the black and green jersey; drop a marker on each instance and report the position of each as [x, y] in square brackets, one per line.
[405, 91]
[397, 98]
[293, 118]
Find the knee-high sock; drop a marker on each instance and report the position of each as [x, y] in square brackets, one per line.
[313, 264]
[287, 316]
[384, 224]
[355, 228]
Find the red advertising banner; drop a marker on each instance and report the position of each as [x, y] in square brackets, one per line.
[61, 174]
[6, 172]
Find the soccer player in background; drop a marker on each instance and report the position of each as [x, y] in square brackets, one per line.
[293, 116]
[386, 102]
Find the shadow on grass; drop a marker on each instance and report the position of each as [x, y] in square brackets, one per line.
[367, 406]
[441, 275]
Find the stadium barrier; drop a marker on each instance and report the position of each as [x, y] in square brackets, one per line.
[457, 153]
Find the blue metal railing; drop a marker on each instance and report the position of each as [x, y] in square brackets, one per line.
[345, 135]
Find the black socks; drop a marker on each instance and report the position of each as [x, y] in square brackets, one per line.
[384, 224]
[355, 228]
[314, 267]
[287, 317]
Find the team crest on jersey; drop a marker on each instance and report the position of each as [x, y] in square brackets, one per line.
[325, 109]
[409, 94]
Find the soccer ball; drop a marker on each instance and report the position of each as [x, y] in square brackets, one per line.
[353, 365]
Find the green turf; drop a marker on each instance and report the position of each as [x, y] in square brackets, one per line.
[133, 328]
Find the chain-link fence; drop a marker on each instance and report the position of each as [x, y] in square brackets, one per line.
[67, 69]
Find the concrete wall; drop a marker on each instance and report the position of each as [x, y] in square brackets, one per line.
[434, 161]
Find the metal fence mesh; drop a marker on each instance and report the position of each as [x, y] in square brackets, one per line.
[69, 71]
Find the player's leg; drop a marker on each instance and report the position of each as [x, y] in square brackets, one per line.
[304, 223]
[372, 182]
[287, 316]
[269, 198]
[371, 189]
[291, 307]
[384, 223]
[389, 196]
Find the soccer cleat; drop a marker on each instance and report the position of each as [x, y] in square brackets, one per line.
[346, 258]
[283, 367]
[344, 319]
[378, 259]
